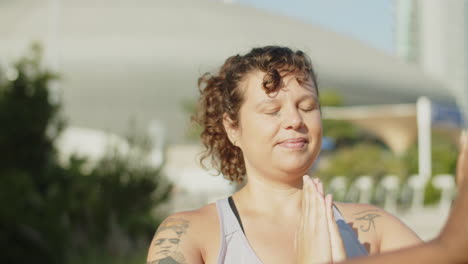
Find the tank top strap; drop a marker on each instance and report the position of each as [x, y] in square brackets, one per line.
[353, 246]
[337, 214]
[234, 245]
[227, 219]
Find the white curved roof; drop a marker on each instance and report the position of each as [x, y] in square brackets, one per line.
[139, 60]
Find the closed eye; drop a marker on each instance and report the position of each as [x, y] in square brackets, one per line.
[159, 241]
[309, 108]
[174, 240]
[272, 111]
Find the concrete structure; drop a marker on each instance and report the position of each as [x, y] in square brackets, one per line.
[395, 124]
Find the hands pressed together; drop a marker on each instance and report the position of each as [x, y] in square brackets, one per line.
[317, 237]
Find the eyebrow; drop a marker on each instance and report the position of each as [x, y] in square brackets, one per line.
[266, 101]
[308, 96]
[274, 100]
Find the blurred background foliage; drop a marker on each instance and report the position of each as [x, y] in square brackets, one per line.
[72, 212]
[357, 153]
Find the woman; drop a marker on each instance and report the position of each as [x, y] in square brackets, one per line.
[262, 124]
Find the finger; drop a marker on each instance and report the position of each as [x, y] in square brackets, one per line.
[300, 231]
[303, 194]
[311, 207]
[307, 201]
[303, 201]
[320, 203]
[296, 238]
[462, 162]
[320, 187]
[337, 249]
[319, 210]
[300, 228]
[312, 191]
[315, 180]
[322, 224]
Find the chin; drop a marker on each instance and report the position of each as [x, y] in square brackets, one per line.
[296, 168]
[297, 161]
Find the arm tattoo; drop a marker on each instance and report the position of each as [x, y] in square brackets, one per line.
[367, 217]
[166, 242]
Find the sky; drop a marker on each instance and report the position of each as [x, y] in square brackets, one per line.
[370, 21]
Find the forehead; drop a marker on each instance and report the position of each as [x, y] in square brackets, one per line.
[167, 232]
[253, 87]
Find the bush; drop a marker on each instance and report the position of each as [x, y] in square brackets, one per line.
[54, 213]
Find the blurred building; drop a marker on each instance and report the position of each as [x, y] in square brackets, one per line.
[433, 35]
[406, 30]
[123, 60]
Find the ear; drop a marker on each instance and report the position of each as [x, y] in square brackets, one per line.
[230, 128]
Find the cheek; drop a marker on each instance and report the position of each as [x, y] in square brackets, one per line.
[259, 130]
[314, 123]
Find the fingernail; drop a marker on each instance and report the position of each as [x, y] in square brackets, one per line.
[328, 199]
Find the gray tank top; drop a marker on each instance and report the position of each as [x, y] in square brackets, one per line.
[236, 249]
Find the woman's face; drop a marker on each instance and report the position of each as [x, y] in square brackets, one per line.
[279, 133]
[167, 242]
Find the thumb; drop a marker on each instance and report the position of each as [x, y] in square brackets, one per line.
[295, 240]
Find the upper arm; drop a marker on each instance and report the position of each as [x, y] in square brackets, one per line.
[174, 241]
[378, 230]
[395, 234]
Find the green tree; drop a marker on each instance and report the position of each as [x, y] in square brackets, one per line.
[53, 212]
[29, 121]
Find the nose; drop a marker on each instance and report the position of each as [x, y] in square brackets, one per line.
[293, 120]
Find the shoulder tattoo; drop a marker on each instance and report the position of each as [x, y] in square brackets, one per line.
[366, 219]
[165, 244]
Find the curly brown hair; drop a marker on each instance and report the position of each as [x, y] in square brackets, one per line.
[220, 93]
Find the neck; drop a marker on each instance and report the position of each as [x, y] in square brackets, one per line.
[270, 197]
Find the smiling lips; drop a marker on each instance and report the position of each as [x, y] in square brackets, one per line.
[294, 143]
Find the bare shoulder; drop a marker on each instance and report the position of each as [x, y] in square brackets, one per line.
[372, 223]
[364, 217]
[354, 210]
[180, 237]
